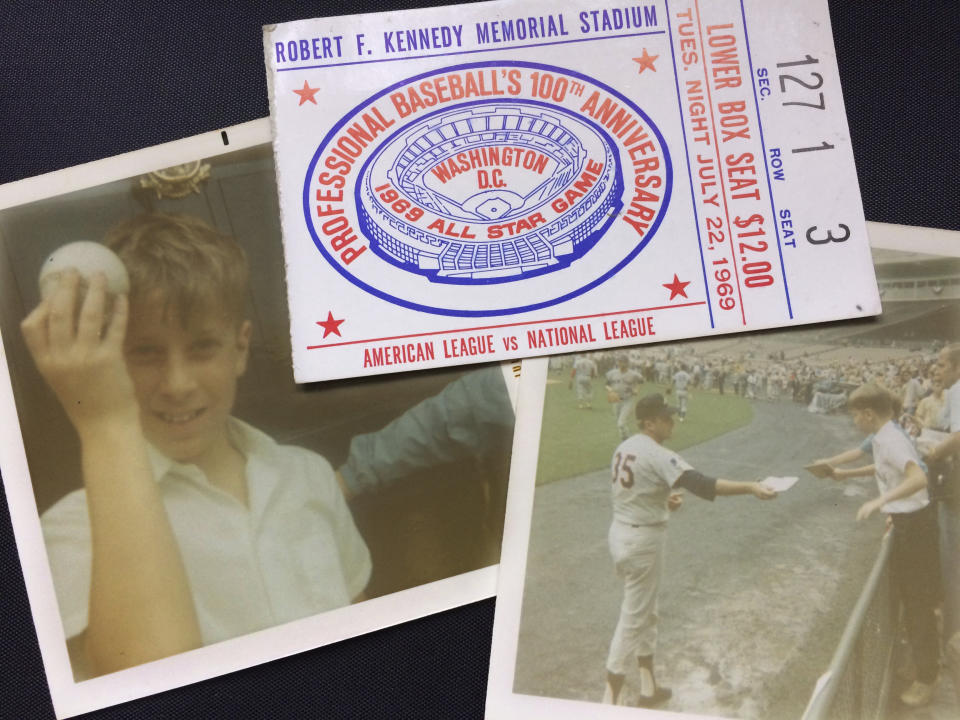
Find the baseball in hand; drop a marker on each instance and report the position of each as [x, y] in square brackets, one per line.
[87, 258]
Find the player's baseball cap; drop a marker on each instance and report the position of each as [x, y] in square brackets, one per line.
[653, 406]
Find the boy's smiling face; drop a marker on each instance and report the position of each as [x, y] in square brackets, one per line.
[185, 378]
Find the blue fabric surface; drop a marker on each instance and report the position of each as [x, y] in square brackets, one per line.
[80, 81]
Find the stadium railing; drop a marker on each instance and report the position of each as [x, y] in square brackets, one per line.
[857, 683]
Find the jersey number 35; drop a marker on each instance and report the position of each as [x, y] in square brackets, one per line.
[623, 470]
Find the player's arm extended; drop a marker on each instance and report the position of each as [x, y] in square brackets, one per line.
[708, 488]
[140, 607]
[460, 421]
[737, 487]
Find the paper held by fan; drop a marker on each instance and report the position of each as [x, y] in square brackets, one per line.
[512, 179]
[820, 470]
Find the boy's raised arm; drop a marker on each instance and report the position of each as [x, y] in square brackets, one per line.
[140, 606]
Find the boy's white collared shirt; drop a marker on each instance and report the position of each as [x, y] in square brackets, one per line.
[892, 452]
[294, 552]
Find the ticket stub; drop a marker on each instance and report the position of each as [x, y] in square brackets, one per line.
[511, 179]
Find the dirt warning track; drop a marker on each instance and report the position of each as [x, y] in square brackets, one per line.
[754, 597]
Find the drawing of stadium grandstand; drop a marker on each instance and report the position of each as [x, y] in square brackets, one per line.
[493, 171]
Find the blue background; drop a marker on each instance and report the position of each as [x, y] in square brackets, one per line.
[80, 81]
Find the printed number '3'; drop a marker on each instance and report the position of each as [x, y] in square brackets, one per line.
[622, 469]
[830, 237]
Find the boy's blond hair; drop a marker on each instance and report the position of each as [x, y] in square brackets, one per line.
[185, 262]
[871, 396]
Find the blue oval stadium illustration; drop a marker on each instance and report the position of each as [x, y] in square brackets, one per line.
[514, 188]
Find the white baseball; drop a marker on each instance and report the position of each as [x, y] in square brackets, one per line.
[87, 258]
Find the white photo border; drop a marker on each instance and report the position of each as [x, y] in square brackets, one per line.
[502, 702]
[72, 698]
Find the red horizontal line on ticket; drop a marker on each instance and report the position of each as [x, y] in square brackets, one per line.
[504, 325]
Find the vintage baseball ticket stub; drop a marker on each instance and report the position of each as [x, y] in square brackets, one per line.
[511, 179]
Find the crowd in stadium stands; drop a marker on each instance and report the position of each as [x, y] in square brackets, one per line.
[760, 374]
[822, 376]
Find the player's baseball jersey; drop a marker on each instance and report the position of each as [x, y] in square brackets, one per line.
[623, 383]
[681, 379]
[643, 473]
[584, 368]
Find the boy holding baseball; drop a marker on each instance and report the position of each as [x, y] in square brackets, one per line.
[192, 526]
[902, 482]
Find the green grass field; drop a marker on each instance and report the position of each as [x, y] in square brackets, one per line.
[576, 441]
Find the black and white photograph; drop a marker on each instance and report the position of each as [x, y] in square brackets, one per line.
[756, 526]
[180, 492]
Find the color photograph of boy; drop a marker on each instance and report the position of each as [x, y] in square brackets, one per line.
[189, 491]
[184, 507]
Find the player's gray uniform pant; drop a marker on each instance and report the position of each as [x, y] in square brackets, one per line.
[623, 412]
[584, 390]
[638, 558]
[682, 402]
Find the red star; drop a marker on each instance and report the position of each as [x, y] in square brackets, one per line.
[676, 288]
[307, 93]
[646, 61]
[330, 326]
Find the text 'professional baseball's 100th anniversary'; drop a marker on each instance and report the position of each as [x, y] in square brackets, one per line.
[538, 179]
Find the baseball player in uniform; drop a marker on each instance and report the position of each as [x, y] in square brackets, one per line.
[584, 370]
[647, 483]
[681, 379]
[621, 388]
